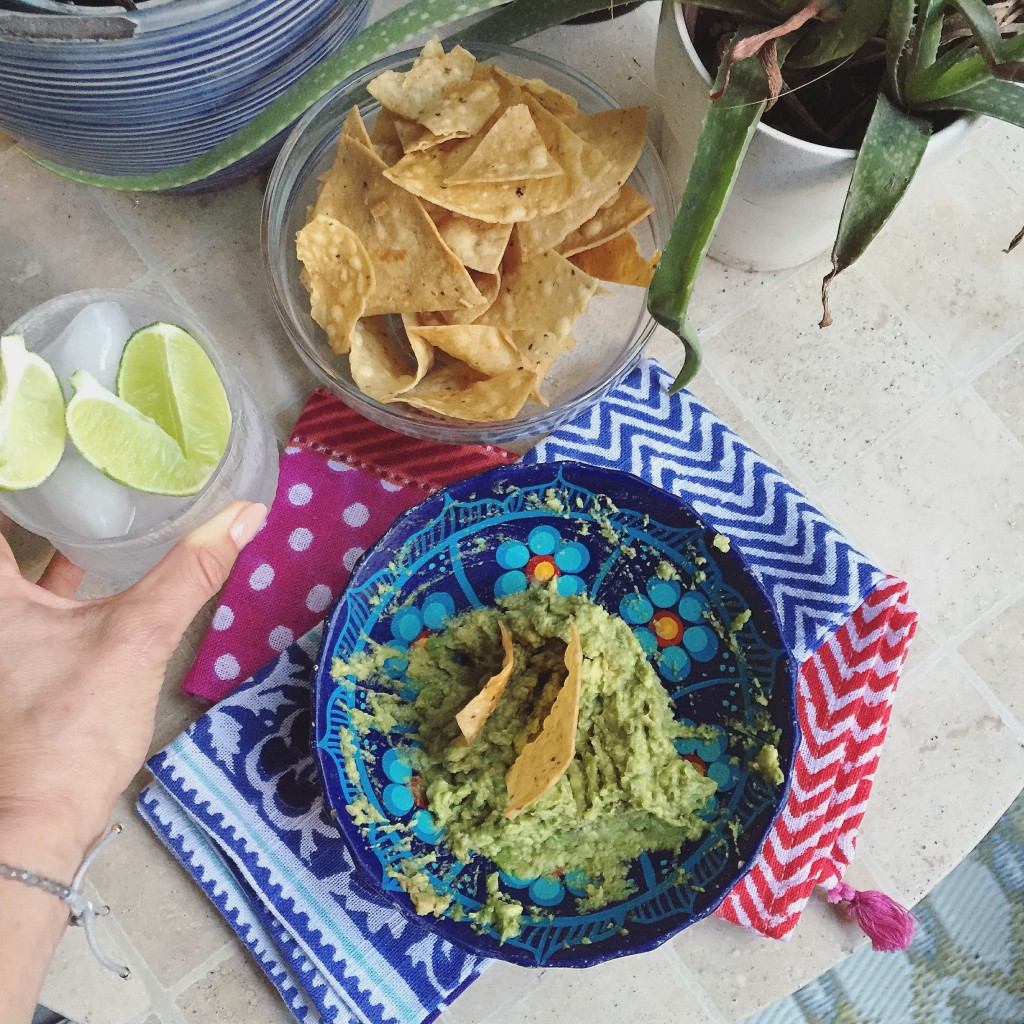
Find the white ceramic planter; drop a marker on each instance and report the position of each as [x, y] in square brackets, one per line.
[784, 209]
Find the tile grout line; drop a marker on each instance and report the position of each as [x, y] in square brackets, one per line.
[986, 364]
[203, 970]
[704, 999]
[1005, 714]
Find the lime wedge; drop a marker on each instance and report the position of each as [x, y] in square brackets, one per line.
[127, 445]
[166, 375]
[31, 416]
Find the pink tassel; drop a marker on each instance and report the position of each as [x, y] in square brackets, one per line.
[889, 926]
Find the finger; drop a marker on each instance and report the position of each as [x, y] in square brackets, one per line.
[61, 576]
[164, 602]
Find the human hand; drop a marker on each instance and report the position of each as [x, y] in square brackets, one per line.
[79, 684]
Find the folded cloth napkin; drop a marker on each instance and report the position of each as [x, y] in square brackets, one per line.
[846, 623]
[343, 481]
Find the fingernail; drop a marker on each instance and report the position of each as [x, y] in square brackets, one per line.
[247, 523]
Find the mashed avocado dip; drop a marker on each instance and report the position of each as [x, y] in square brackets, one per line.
[626, 789]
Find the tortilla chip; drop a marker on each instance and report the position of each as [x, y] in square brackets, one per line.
[618, 260]
[479, 245]
[426, 174]
[559, 103]
[414, 137]
[380, 367]
[438, 92]
[511, 149]
[338, 274]
[618, 135]
[487, 350]
[484, 401]
[626, 208]
[414, 270]
[384, 135]
[473, 717]
[544, 760]
[540, 298]
[354, 128]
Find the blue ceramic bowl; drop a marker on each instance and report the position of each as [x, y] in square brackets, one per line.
[193, 72]
[477, 540]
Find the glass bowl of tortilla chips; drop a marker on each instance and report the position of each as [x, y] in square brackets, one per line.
[554, 716]
[460, 243]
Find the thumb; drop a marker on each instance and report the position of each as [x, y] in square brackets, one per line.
[168, 597]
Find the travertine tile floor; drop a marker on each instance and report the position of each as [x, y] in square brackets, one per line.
[904, 422]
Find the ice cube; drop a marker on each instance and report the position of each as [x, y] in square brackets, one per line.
[93, 341]
[81, 499]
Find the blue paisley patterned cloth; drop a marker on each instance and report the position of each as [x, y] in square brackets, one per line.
[235, 798]
[237, 801]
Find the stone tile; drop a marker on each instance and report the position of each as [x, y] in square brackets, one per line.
[743, 971]
[169, 229]
[225, 285]
[237, 990]
[1002, 386]
[994, 652]
[6, 142]
[923, 648]
[722, 293]
[163, 912]
[79, 987]
[57, 238]
[801, 382]
[500, 988]
[941, 256]
[1003, 145]
[940, 504]
[943, 730]
[30, 552]
[647, 987]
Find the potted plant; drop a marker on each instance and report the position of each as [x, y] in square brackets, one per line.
[936, 60]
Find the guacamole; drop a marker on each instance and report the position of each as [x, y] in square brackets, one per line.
[626, 789]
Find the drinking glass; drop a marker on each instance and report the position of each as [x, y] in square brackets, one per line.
[78, 502]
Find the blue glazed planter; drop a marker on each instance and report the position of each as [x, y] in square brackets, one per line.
[482, 538]
[193, 72]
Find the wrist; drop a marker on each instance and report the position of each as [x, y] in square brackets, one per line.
[47, 842]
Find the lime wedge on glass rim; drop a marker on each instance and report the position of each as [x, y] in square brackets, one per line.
[167, 428]
[32, 428]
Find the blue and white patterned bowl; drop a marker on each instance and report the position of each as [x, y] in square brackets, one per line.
[487, 536]
[193, 73]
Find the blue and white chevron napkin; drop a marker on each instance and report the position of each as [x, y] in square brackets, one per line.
[235, 798]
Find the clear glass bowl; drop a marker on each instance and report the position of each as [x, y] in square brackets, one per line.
[609, 338]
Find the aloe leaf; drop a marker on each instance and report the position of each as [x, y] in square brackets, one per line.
[826, 41]
[927, 37]
[886, 163]
[367, 46]
[1004, 100]
[989, 39]
[523, 18]
[902, 18]
[955, 72]
[728, 127]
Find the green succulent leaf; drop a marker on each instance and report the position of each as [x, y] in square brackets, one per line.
[990, 40]
[959, 69]
[1004, 100]
[902, 18]
[523, 18]
[886, 163]
[373, 42]
[728, 127]
[825, 41]
[927, 37]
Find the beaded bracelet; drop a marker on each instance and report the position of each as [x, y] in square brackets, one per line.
[82, 911]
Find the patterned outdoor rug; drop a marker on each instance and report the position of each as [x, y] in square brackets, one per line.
[966, 965]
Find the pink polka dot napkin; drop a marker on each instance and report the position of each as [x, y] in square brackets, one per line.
[343, 482]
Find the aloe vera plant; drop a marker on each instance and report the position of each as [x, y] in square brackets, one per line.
[942, 58]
